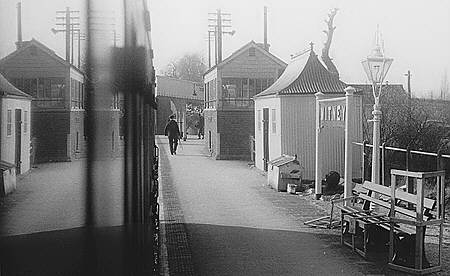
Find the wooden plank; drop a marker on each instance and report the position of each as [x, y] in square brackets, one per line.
[387, 206]
[399, 194]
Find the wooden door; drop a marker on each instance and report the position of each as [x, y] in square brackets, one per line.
[18, 139]
[265, 137]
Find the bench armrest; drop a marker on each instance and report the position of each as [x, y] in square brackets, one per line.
[334, 201]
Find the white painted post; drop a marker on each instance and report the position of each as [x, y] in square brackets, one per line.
[349, 136]
[319, 161]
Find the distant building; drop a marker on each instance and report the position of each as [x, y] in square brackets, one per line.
[57, 88]
[174, 96]
[285, 116]
[15, 114]
[229, 89]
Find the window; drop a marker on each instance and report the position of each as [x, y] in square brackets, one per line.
[77, 94]
[252, 52]
[274, 121]
[259, 120]
[25, 121]
[9, 122]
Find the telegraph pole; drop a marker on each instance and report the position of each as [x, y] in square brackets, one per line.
[219, 21]
[65, 20]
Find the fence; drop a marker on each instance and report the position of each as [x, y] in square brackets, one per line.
[404, 159]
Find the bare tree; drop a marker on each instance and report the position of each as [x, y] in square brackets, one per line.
[188, 67]
[326, 48]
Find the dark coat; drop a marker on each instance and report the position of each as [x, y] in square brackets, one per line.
[172, 129]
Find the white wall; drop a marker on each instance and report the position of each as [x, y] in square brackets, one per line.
[274, 138]
[8, 142]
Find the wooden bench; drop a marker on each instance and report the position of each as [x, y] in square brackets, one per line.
[364, 214]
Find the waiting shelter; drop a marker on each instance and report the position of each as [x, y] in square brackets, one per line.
[285, 117]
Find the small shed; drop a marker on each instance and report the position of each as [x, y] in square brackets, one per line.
[283, 170]
[15, 126]
[285, 117]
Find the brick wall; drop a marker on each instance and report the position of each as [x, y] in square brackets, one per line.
[235, 128]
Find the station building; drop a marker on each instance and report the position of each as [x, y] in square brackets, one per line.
[229, 88]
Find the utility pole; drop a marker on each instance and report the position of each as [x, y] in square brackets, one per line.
[219, 21]
[65, 20]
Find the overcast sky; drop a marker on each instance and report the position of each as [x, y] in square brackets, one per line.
[416, 33]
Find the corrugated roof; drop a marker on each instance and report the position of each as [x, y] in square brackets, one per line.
[305, 75]
[7, 89]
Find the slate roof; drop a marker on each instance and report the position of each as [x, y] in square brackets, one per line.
[242, 50]
[44, 48]
[7, 89]
[305, 75]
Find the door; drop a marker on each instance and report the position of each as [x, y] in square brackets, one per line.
[18, 139]
[265, 137]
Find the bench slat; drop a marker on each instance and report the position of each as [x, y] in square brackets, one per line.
[399, 194]
[388, 206]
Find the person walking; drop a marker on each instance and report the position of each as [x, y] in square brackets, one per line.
[173, 133]
[201, 126]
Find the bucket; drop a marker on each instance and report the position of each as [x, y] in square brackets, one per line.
[291, 188]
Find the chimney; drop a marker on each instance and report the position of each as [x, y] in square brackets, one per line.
[19, 25]
[266, 46]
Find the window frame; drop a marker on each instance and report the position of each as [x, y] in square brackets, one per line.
[9, 122]
[274, 120]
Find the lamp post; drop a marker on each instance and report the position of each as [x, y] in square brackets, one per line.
[376, 67]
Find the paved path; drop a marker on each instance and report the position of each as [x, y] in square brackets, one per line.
[51, 197]
[220, 219]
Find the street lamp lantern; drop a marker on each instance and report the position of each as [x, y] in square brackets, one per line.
[376, 67]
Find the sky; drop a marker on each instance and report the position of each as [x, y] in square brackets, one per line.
[416, 33]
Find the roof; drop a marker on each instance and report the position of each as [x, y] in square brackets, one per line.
[283, 160]
[244, 49]
[44, 48]
[305, 75]
[176, 88]
[7, 89]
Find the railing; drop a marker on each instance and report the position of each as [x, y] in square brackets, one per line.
[438, 164]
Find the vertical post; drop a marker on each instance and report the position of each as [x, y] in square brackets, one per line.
[209, 49]
[67, 34]
[318, 176]
[349, 136]
[216, 41]
[19, 25]
[71, 42]
[79, 49]
[383, 164]
[391, 216]
[363, 153]
[266, 46]
[219, 36]
[419, 228]
[376, 143]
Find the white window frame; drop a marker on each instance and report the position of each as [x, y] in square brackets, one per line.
[274, 120]
[259, 119]
[25, 121]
